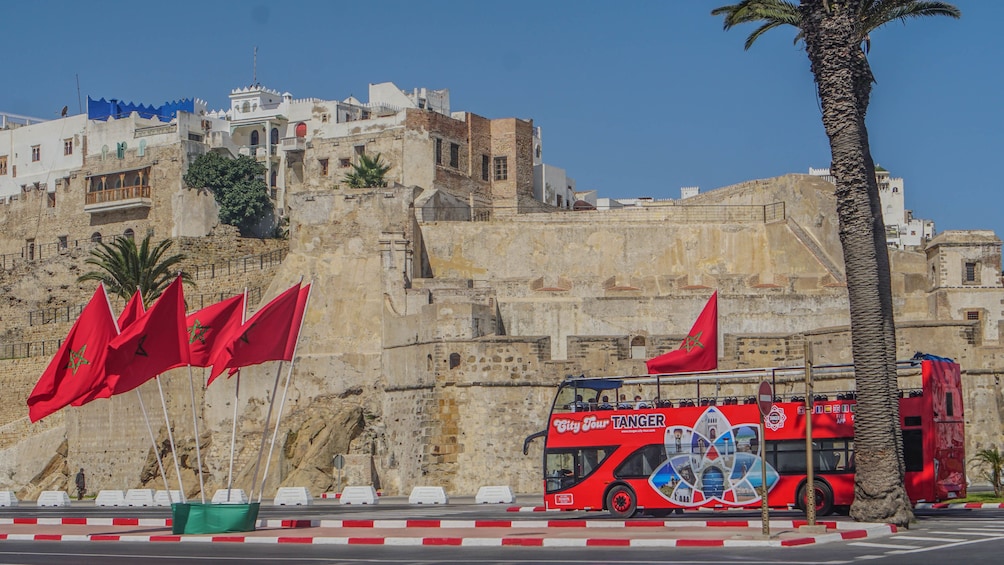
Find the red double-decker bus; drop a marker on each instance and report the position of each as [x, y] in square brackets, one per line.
[656, 443]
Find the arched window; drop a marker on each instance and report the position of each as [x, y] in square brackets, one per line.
[275, 136]
[428, 363]
[118, 181]
[638, 347]
[129, 234]
[96, 237]
[254, 137]
[454, 360]
[301, 130]
[274, 177]
[246, 107]
[142, 148]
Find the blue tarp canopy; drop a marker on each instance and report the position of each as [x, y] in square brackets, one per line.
[595, 384]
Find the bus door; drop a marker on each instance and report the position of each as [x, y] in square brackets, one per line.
[946, 437]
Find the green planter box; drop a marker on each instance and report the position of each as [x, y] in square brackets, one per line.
[195, 518]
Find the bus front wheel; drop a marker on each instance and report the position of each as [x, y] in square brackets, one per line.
[824, 498]
[621, 502]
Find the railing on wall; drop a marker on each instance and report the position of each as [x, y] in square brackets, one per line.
[45, 348]
[238, 265]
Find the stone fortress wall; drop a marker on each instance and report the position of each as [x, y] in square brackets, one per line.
[431, 348]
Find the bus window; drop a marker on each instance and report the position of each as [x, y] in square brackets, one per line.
[642, 463]
[913, 450]
[828, 455]
[566, 467]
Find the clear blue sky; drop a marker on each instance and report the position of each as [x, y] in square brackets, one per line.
[635, 98]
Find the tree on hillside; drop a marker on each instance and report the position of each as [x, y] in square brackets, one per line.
[123, 267]
[237, 184]
[836, 35]
[367, 173]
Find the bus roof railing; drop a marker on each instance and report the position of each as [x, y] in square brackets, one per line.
[728, 374]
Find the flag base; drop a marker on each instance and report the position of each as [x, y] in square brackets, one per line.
[196, 518]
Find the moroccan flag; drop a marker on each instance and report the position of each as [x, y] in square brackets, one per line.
[79, 365]
[133, 311]
[153, 344]
[262, 338]
[208, 328]
[699, 350]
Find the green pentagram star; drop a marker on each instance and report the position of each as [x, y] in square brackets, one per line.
[197, 332]
[77, 359]
[692, 341]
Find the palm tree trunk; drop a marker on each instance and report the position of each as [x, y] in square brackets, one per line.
[830, 28]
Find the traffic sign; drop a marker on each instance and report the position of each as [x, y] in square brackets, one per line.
[765, 398]
[339, 461]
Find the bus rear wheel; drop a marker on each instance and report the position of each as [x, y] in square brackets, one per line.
[824, 498]
[621, 502]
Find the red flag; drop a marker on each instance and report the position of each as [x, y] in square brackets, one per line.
[699, 350]
[151, 345]
[294, 329]
[79, 365]
[208, 328]
[262, 338]
[133, 311]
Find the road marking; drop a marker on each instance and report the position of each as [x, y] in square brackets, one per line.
[883, 545]
[967, 533]
[870, 557]
[918, 538]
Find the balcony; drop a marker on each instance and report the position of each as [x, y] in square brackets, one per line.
[294, 144]
[126, 198]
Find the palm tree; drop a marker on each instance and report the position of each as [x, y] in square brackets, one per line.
[994, 459]
[123, 268]
[836, 35]
[367, 173]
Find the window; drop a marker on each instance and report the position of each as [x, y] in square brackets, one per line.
[96, 237]
[274, 178]
[949, 404]
[142, 148]
[29, 245]
[36, 153]
[439, 151]
[913, 450]
[642, 463]
[360, 150]
[971, 274]
[454, 360]
[68, 146]
[565, 467]
[301, 130]
[50, 199]
[829, 455]
[324, 167]
[62, 242]
[129, 234]
[455, 155]
[274, 136]
[345, 163]
[638, 348]
[254, 137]
[973, 315]
[485, 167]
[194, 137]
[3, 164]
[501, 168]
[120, 149]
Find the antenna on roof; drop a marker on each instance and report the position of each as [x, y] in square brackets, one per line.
[79, 103]
[254, 68]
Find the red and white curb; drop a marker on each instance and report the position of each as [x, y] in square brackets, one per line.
[959, 505]
[872, 530]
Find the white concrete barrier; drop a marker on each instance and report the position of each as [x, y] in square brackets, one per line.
[166, 497]
[495, 495]
[358, 495]
[428, 495]
[139, 497]
[237, 496]
[110, 498]
[8, 498]
[53, 498]
[293, 496]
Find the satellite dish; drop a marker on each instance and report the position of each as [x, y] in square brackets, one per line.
[63, 111]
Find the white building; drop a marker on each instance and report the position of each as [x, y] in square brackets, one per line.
[902, 229]
[551, 185]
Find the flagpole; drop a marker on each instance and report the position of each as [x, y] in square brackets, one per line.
[170, 436]
[289, 377]
[264, 431]
[237, 392]
[233, 436]
[153, 440]
[198, 450]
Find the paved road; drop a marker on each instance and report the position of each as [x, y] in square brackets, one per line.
[939, 536]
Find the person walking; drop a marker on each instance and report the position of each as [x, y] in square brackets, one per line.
[81, 483]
